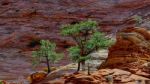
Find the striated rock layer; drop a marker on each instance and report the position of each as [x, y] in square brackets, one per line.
[43, 18]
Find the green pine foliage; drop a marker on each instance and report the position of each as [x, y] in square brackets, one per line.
[138, 19]
[75, 29]
[47, 53]
[74, 52]
[87, 38]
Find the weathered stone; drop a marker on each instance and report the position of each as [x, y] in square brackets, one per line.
[113, 76]
[132, 45]
[37, 76]
[131, 51]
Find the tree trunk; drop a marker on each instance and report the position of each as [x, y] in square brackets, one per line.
[83, 65]
[48, 66]
[78, 67]
[89, 69]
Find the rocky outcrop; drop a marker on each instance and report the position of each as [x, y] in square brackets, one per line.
[132, 44]
[131, 50]
[128, 59]
[103, 76]
[36, 77]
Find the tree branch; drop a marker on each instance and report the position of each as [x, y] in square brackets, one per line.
[75, 39]
[92, 50]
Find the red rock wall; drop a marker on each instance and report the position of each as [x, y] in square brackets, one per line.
[43, 18]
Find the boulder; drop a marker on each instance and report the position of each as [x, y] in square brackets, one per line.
[132, 45]
[131, 50]
[37, 77]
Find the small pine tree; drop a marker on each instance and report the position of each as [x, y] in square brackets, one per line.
[47, 53]
[138, 19]
[87, 38]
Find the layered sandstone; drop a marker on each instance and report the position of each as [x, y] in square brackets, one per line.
[103, 76]
[43, 18]
[132, 45]
[131, 51]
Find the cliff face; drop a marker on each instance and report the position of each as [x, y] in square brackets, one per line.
[43, 18]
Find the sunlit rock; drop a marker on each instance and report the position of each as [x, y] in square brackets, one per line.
[37, 76]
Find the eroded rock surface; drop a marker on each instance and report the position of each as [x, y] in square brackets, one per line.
[132, 44]
[103, 76]
[131, 51]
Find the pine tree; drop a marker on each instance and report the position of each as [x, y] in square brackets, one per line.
[88, 39]
[47, 53]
